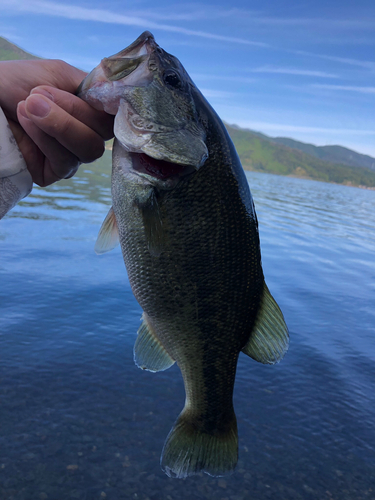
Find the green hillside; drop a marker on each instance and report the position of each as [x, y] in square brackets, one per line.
[333, 154]
[9, 51]
[260, 153]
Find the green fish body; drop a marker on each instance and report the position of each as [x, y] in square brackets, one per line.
[185, 219]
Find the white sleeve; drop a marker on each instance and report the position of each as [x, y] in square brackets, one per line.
[15, 179]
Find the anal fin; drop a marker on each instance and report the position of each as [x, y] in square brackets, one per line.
[269, 339]
[149, 353]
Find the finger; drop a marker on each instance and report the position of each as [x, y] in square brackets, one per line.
[75, 136]
[58, 162]
[99, 121]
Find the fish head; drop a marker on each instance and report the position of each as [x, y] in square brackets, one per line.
[152, 96]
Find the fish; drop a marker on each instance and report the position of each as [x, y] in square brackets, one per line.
[185, 219]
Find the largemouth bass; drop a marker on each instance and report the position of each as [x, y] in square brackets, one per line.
[184, 216]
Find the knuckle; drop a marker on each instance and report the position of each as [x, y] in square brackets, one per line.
[61, 126]
[58, 66]
[73, 107]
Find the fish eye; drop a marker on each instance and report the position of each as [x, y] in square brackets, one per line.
[172, 79]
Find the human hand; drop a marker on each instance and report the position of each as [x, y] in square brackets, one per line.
[55, 130]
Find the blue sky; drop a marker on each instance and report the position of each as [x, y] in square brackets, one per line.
[304, 69]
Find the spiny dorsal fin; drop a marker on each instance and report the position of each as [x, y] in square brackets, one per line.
[108, 237]
[269, 339]
[149, 353]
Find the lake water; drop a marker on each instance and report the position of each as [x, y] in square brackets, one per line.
[78, 420]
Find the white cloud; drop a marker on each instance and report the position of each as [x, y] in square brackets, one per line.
[99, 15]
[361, 90]
[317, 22]
[217, 94]
[252, 17]
[75, 12]
[293, 71]
[214, 78]
[344, 60]
[280, 128]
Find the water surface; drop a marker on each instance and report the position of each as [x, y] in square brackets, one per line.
[78, 420]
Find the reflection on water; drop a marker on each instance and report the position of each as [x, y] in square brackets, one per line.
[79, 420]
[90, 185]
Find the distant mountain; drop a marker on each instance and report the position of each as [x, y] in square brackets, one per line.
[333, 154]
[9, 51]
[261, 153]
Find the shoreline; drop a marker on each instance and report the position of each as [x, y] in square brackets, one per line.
[294, 176]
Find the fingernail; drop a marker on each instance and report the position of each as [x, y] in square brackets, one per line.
[37, 106]
[21, 109]
[44, 92]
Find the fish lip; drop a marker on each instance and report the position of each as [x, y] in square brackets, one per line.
[132, 56]
[145, 41]
[108, 70]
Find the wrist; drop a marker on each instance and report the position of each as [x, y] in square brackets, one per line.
[3, 83]
[10, 87]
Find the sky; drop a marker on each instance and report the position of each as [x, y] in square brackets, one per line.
[304, 70]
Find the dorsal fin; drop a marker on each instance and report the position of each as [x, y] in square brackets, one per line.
[149, 353]
[269, 339]
[108, 237]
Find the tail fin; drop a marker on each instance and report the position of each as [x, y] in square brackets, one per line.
[189, 450]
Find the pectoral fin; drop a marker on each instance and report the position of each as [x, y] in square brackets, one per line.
[154, 231]
[149, 353]
[108, 237]
[269, 339]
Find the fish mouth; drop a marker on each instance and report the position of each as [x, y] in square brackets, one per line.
[162, 170]
[144, 44]
[124, 63]
[171, 151]
[113, 69]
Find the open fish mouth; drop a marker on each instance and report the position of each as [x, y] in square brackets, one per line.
[158, 169]
[136, 134]
[151, 156]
